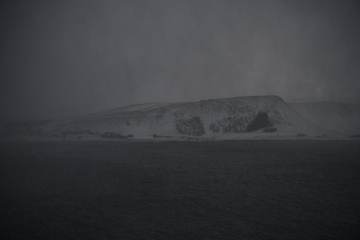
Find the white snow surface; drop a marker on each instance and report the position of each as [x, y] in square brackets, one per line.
[339, 117]
[229, 115]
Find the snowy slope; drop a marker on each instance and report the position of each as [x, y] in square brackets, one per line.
[339, 117]
[228, 118]
[216, 118]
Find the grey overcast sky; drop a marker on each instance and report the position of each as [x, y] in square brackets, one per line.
[63, 58]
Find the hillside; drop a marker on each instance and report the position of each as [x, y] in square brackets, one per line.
[339, 117]
[228, 118]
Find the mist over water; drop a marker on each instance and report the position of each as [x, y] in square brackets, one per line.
[74, 57]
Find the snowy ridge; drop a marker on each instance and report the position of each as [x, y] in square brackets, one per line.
[339, 117]
[228, 118]
[215, 118]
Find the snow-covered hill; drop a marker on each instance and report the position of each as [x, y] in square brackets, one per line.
[228, 118]
[338, 117]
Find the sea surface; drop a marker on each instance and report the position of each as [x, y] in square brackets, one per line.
[180, 190]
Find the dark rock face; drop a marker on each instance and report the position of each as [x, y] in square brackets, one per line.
[230, 124]
[259, 122]
[192, 126]
[272, 129]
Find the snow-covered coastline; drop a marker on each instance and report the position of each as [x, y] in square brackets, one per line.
[239, 118]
